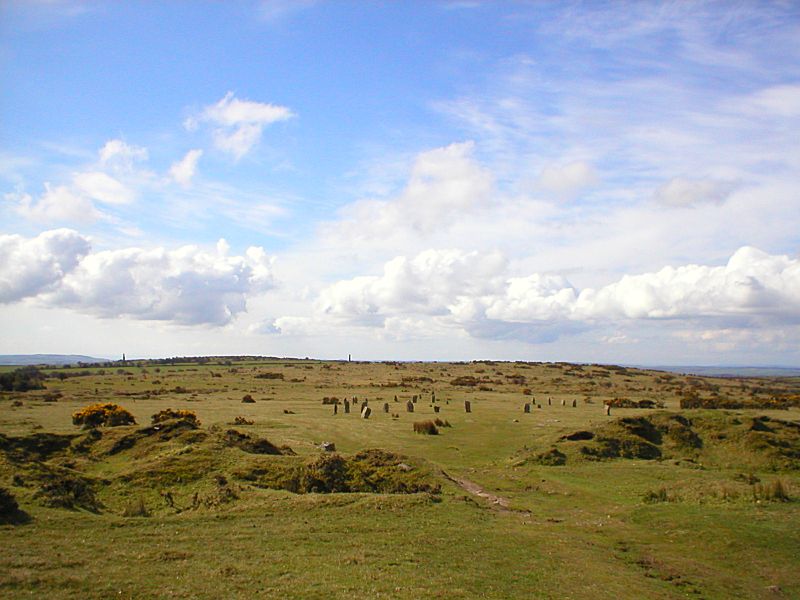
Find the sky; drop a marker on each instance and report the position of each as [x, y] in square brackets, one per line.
[605, 182]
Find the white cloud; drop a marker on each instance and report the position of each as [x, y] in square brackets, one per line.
[239, 123]
[473, 291]
[426, 284]
[752, 284]
[187, 286]
[779, 100]
[101, 186]
[184, 170]
[117, 151]
[32, 266]
[57, 204]
[445, 184]
[564, 181]
[682, 192]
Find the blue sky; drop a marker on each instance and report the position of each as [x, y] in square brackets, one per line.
[590, 181]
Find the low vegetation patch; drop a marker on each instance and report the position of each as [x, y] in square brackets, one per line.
[550, 458]
[61, 488]
[269, 376]
[250, 444]
[628, 403]
[22, 380]
[37, 446]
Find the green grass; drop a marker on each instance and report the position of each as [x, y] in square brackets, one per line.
[686, 525]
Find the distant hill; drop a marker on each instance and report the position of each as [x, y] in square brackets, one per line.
[48, 359]
[733, 371]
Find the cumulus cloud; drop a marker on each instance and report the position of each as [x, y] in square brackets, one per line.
[681, 192]
[475, 292]
[239, 123]
[428, 283]
[187, 286]
[444, 184]
[29, 267]
[752, 284]
[184, 170]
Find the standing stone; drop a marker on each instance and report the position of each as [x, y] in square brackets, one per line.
[433, 397]
[346, 406]
[608, 409]
[414, 398]
[574, 404]
[386, 407]
[355, 401]
[549, 401]
[395, 397]
[527, 408]
[409, 406]
[436, 409]
[538, 406]
[467, 406]
[336, 409]
[563, 402]
[366, 411]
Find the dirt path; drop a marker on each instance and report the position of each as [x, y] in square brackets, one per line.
[473, 488]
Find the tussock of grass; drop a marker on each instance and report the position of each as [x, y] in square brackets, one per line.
[426, 427]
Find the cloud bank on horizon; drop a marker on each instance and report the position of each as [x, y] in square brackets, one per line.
[440, 181]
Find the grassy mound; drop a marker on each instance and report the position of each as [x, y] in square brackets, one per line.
[713, 437]
[38, 446]
[369, 471]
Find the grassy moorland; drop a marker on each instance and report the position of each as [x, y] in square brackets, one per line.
[651, 501]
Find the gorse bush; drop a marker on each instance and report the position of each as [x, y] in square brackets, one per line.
[169, 413]
[102, 414]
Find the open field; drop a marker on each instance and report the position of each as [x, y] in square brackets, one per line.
[561, 502]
